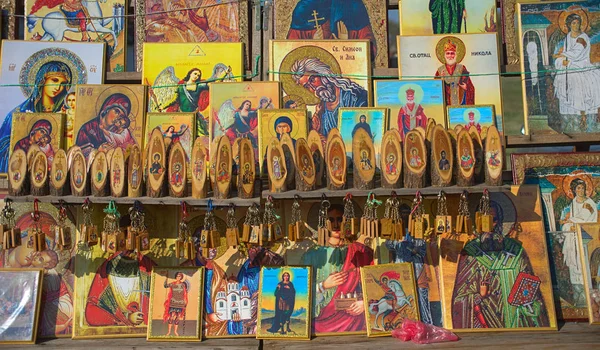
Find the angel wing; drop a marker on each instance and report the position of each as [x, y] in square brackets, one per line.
[224, 118]
[163, 92]
[221, 72]
[186, 137]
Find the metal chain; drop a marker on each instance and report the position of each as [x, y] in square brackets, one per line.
[484, 203]
[417, 207]
[442, 209]
[392, 208]
[269, 216]
[463, 205]
[87, 213]
[296, 213]
[253, 215]
[231, 222]
[325, 204]
[348, 207]
[8, 214]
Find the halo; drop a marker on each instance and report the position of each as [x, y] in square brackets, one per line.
[113, 89]
[460, 48]
[573, 9]
[475, 111]
[299, 101]
[418, 93]
[46, 116]
[580, 174]
[293, 117]
[34, 62]
[288, 271]
[287, 81]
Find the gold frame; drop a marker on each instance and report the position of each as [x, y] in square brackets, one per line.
[363, 271]
[308, 311]
[384, 126]
[61, 119]
[200, 310]
[523, 161]
[140, 33]
[36, 317]
[587, 275]
[493, 107]
[9, 5]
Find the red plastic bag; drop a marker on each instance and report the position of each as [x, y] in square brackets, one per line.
[423, 333]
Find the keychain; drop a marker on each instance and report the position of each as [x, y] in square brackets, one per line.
[232, 235]
[369, 220]
[443, 221]
[324, 228]
[271, 231]
[184, 245]
[484, 221]
[88, 232]
[349, 220]
[62, 233]
[113, 239]
[138, 238]
[11, 235]
[418, 223]
[36, 239]
[251, 230]
[209, 237]
[463, 220]
[392, 227]
[296, 227]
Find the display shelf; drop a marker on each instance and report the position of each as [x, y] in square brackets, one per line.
[513, 141]
[144, 200]
[428, 191]
[141, 343]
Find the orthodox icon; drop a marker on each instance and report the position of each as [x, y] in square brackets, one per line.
[412, 103]
[181, 85]
[109, 116]
[276, 123]
[466, 63]
[568, 183]
[284, 303]
[42, 129]
[335, 19]
[392, 298]
[21, 299]
[175, 128]
[448, 17]
[589, 238]
[501, 283]
[464, 149]
[559, 58]
[81, 20]
[41, 75]
[391, 164]
[323, 77]
[413, 153]
[480, 117]
[372, 120]
[176, 296]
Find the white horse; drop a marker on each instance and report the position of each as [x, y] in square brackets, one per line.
[55, 23]
[383, 307]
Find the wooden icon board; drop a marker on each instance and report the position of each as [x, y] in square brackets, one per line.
[198, 164]
[212, 170]
[70, 153]
[156, 164]
[316, 149]
[391, 159]
[479, 174]
[421, 131]
[494, 157]
[246, 169]
[134, 172]
[78, 173]
[465, 156]
[363, 156]
[305, 167]
[118, 175]
[224, 167]
[336, 161]
[415, 160]
[177, 171]
[289, 155]
[90, 160]
[99, 175]
[430, 126]
[276, 166]
[17, 173]
[59, 174]
[38, 175]
[33, 150]
[442, 157]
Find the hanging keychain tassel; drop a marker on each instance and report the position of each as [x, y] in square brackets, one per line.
[232, 235]
[296, 227]
[62, 233]
[324, 227]
[443, 221]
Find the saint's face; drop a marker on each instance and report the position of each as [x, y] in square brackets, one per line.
[111, 117]
[194, 76]
[54, 85]
[335, 217]
[71, 101]
[410, 99]
[450, 57]
[38, 135]
[576, 26]
[363, 119]
[282, 128]
[580, 190]
[310, 82]
[247, 105]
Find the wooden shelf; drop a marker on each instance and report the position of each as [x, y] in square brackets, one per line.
[551, 140]
[428, 191]
[144, 200]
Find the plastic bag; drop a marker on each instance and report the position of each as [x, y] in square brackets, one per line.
[423, 333]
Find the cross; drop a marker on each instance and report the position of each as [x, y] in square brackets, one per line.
[316, 19]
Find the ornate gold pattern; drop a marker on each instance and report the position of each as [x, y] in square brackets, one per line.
[510, 31]
[524, 161]
[9, 5]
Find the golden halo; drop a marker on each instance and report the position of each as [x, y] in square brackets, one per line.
[461, 50]
[562, 18]
[113, 89]
[34, 62]
[589, 186]
[287, 81]
[49, 117]
[299, 101]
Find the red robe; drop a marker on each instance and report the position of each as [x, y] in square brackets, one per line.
[332, 321]
[453, 76]
[404, 119]
[168, 302]
[97, 310]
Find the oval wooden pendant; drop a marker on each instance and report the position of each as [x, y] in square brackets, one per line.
[442, 157]
[118, 177]
[177, 171]
[58, 173]
[246, 169]
[224, 163]
[465, 156]
[494, 157]
[39, 175]
[212, 171]
[199, 153]
[415, 160]
[156, 165]
[90, 159]
[478, 152]
[316, 149]
[289, 154]
[134, 172]
[109, 155]
[99, 174]
[429, 131]
[33, 150]
[421, 131]
[458, 128]
[276, 166]
[391, 159]
[78, 174]
[363, 156]
[305, 167]
[17, 172]
[70, 154]
[336, 160]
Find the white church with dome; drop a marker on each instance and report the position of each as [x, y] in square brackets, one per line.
[234, 300]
